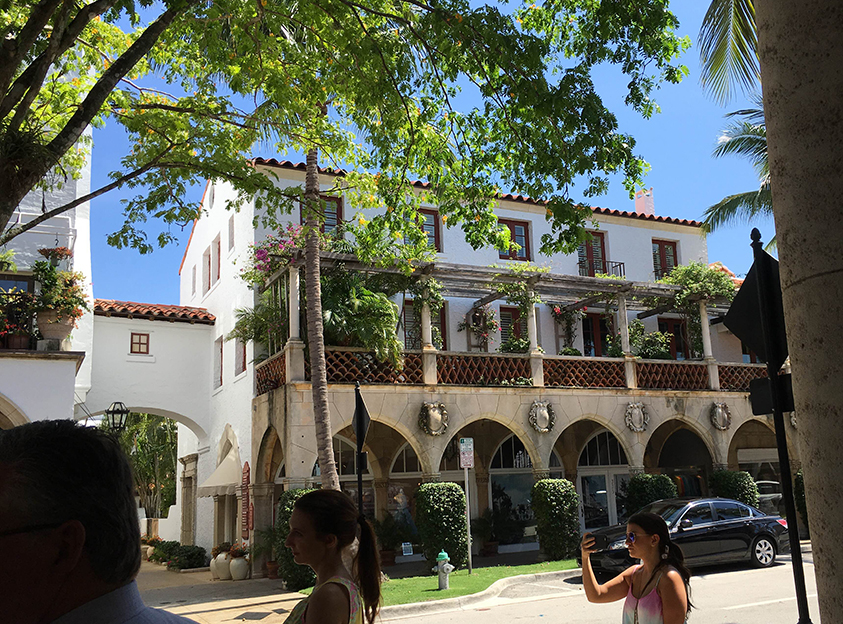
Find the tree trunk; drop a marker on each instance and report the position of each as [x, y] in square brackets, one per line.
[315, 340]
[801, 54]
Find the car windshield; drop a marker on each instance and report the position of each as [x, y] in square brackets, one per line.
[668, 510]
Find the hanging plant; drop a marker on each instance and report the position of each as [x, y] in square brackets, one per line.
[56, 254]
[483, 323]
[569, 320]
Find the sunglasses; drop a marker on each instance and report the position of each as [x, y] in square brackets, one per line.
[630, 537]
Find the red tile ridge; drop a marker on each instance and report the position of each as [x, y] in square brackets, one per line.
[153, 311]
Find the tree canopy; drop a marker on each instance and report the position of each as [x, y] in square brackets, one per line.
[465, 97]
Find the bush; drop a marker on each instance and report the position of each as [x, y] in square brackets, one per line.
[644, 489]
[187, 557]
[440, 518]
[799, 496]
[164, 552]
[391, 533]
[555, 504]
[570, 351]
[295, 576]
[734, 484]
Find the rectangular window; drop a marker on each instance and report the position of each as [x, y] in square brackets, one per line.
[431, 228]
[9, 281]
[140, 344]
[333, 214]
[218, 362]
[512, 324]
[596, 330]
[216, 259]
[239, 356]
[664, 257]
[412, 329]
[679, 337]
[519, 234]
[231, 233]
[591, 255]
[193, 280]
[206, 271]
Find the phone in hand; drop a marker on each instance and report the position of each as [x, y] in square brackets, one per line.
[601, 542]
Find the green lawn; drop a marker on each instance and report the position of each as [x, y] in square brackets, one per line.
[424, 588]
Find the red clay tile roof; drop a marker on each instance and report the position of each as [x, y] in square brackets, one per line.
[286, 164]
[719, 266]
[153, 311]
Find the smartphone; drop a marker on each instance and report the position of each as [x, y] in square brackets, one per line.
[601, 542]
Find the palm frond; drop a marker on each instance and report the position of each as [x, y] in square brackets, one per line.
[729, 49]
[747, 140]
[739, 208]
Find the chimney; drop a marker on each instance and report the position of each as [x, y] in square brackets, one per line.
[644, 202]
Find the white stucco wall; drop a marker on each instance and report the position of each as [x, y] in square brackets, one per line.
[42, 387]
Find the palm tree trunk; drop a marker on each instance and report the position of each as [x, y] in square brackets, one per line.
[316, 343]
[801, 53]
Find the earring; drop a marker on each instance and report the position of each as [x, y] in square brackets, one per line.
[664, 554]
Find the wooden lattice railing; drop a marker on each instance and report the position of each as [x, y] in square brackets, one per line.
[349, 364]
[576, 372]
[271, 373]
[483, 369]
[736, 377]
[671, 375]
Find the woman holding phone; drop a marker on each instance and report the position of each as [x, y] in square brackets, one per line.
[656, 590]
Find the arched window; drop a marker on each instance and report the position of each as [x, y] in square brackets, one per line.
[603, 450]
[511, 454]
[345, 457]
[405, 461]
[451, 456]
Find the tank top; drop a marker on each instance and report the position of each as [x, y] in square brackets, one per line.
[355, 606]
[644, 610]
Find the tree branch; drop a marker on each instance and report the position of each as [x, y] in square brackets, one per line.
[13, 50]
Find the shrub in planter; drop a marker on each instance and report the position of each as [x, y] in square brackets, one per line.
[295, 576]
[187, 557]
[165, 551]
[440, 518]
[643, 489]
[555, 503]
[735, 484]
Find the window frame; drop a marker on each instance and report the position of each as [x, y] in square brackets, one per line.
[29, 280]
[240, 363]
[591, 269]
[328, 199]
[218, 363]
[669, 327]
[595, 320]
[660, 271]
[511, 254]
[518, 324]
[139, 343]
[437, 238]
[231, 233]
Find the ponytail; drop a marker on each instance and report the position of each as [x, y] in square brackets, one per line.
[368, 566]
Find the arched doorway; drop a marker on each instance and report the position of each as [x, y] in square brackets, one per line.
[677, 451]
[345, 457]
[753, 449]
[602, 475]
[405, 477]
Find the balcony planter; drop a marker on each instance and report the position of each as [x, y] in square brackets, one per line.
[53, 326]
[19, 341]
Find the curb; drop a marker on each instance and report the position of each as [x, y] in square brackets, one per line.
[463, 602]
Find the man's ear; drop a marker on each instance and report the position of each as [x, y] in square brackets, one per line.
[69, 541]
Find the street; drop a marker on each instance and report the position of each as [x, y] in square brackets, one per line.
[721, 595]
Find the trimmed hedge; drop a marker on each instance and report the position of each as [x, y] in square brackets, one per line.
[440, 518]
[165, 551]
[555, 503]
[187, 557]
[644, 488]
[295, 576]
[735, 484]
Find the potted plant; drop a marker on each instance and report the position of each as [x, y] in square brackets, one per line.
[61, 300]
[16, 317]
[269, 542]
[223, 561]
[239, 565]
[390, 533]
[56, 254]
[213, 563]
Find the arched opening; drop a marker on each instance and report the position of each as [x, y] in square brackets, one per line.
[405, 477]
[345, 457]
[602, 475]
[10, 414]
[753, 449]
[679, 452]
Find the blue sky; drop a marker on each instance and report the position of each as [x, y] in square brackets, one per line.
[677, 143]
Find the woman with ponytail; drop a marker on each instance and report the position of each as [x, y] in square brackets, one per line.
[656, 591]
[323, 525]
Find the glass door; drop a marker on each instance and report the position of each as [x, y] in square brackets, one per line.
[595, 501]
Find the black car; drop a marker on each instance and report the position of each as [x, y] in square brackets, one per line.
[709, 531]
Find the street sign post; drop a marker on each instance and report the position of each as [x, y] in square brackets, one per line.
[466, 462]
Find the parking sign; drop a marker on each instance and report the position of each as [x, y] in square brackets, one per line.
[466, 452]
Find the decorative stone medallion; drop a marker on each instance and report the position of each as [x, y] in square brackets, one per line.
[541, 416]
[433, 418]
[721, 417]
[637, 417]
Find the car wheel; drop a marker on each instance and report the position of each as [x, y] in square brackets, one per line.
[763, 552]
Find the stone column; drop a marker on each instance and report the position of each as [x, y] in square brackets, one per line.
[428, 350]
[294, 349]
[713, 372]
[431, 477]
[294, 312]
[219, 519]
[628, 358]
[263, 499]
[188, 498]
[532, 330]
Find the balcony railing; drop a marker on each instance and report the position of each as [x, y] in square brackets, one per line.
[271, 373]
[483, 369]
[589, 268]
[581, 372]
[668, 375]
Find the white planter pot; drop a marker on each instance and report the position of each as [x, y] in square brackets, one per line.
[53, 328]
[149, 551]
[223, 569]
[214, 574]
[239, 568]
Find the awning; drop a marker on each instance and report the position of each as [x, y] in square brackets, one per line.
[225, 480]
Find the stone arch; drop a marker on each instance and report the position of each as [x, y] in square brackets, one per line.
[492, 431]
[10, 414]
[572, 440]
[383, 442]
[191, 424]
[660, 434]
[677, 449]
[270, 457]
[755, 433]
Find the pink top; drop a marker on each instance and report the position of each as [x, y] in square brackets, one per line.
[644, 610]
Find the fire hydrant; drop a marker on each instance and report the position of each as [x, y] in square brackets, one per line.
[443, 568]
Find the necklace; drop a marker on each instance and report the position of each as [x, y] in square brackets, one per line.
[641, 595]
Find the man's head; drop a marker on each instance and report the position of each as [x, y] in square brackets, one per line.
[67, 503]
